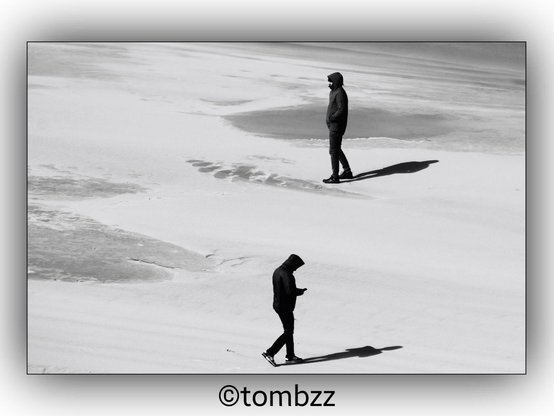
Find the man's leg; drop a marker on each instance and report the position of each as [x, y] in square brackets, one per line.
[335, 140]
[277, 345]
[286, 338]
[288, 325]
[344, 161]
[337, 155]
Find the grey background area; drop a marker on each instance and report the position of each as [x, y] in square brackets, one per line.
[355, 394]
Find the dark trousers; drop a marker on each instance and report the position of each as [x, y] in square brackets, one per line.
[287, 319]
[337, 155]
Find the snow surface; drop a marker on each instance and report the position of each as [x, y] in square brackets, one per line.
[129, 147]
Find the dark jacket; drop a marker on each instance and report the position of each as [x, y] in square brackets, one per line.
[284, 285]
[337, 112]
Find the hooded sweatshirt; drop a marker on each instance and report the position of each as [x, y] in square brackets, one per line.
[284, 285]
[337, 111]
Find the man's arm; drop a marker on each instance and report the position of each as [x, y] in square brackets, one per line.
[289, 284]
[340, 99]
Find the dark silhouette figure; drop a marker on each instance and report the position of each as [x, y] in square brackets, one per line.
[337, 119]
[362, 352]
[285, 293]
[406, 167]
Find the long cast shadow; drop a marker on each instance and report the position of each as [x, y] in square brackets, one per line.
[362, 352]
[406, 167]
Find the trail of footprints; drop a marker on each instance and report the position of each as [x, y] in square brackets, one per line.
[248, 172]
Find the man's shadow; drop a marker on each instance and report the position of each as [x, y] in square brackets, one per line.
[406, 167]
[362, 352]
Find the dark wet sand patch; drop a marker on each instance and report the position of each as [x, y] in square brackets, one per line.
[209, 168]
[39, 87]
[76, 60]
[228, 103]
[64, 187]
[308, 122]
[69, 247]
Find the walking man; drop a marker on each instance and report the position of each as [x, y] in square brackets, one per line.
[285, 293]
[337, 117]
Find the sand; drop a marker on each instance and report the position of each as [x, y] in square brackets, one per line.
[159, 206]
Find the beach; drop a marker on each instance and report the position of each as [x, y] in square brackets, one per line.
[167, 181]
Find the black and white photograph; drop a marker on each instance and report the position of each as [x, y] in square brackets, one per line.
[280, 207]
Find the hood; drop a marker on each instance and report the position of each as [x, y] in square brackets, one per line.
[336, 79]
[293, 262]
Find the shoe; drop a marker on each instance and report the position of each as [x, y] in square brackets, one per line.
[347, 174]
[269, 358]
[332, 179]
[294, 359]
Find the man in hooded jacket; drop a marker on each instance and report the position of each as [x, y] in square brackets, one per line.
[285, 293]
[337, 117]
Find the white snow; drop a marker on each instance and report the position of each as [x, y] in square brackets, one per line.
[432, 262]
